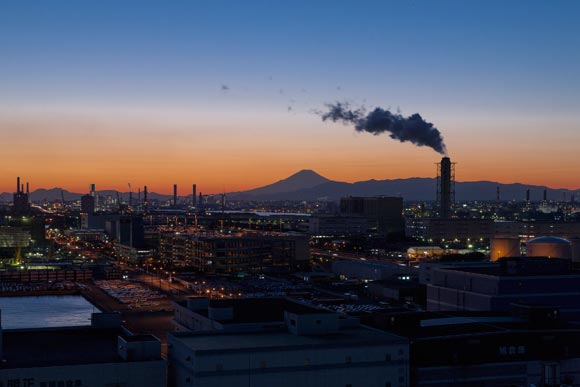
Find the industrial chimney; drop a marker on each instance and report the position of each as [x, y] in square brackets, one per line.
[445, 186]
[528, 196]
[175, 195]
[194, 196]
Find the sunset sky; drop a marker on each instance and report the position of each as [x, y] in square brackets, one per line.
[223, 93]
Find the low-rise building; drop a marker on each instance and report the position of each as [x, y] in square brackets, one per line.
[102, 354]
[496, 286]
[527, 346]
[313, 348]
[337, 225]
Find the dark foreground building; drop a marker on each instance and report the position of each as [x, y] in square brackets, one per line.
[100, 355]
[527, 347]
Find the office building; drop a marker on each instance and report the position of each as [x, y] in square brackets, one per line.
[384, 214]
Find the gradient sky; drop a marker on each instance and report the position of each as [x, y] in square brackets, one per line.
[110, 92]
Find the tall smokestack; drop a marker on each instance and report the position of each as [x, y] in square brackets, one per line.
[27, 188]
[528, 196]
[18, 184]
[175, 194]
[93, 193]
[545, 195]
[194, 196]
[445, 186]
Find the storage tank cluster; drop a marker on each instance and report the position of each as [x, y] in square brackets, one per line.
[545, 246]
[549, 246]
[504, 247]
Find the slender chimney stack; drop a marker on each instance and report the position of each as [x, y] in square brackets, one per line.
[545, 195]
[528, 196]
[194, 196]
[445, 186]
[175, 194]
[18, 184]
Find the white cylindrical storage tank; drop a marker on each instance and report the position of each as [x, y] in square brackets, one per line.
[548, 246]
[504, 247]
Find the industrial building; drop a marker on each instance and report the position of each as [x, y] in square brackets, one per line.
[230, 315]
[384, 214]
[528, 346]
[21, 199]
[88, 204]
[226, 254]
[312, 348]
[123, 229]
[448, 230]
[100, 355]
[496, 286]
[334, 225]
[371, 270]
[530, 230]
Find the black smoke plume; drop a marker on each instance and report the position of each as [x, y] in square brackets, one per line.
[412, 129]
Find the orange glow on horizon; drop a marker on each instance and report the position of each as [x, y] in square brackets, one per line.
[72, 152]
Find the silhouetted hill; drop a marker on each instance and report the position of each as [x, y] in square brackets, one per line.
[309, 185]
[304, 179]
[415, 188]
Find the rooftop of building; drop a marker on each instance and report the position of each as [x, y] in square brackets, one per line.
[255, 310]
[520, 267]
[212, 341]
[25, 348]
[430, 325]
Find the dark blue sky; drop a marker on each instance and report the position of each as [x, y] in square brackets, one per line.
[504, 54]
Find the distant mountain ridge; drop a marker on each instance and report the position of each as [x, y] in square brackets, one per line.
[414, 188]
[309, 185]
[303, 179]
